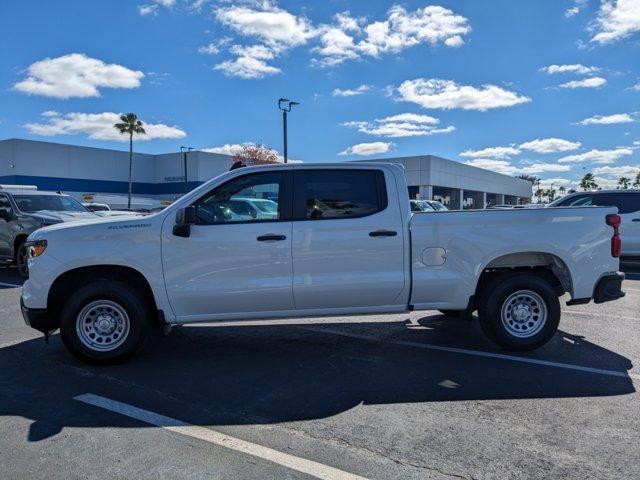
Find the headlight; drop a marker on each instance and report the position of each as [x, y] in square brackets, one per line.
[36, 248]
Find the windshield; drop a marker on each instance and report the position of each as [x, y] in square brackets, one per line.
[438, 206]
[56, 203]
[266, 206]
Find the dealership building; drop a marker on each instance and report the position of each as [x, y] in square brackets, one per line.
[96, 174]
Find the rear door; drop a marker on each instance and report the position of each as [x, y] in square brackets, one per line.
[628, 204]
[348, 239]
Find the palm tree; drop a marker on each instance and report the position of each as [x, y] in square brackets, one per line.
[623, 183]
[588, 182]
[562, 190]
[539, 193]
[636, 182]
[130, 125]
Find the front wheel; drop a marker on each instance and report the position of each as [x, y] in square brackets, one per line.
[519, 311]
[21, 260]
[104, 322]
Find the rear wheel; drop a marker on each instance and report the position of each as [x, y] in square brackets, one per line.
[21, 260]
[519, 311]
[104, 322]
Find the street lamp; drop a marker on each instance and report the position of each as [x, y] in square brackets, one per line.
[184, 151]
[285, 109]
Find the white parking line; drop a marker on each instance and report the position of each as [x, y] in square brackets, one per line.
[2, 284]
[594, 314]
[480, 353]
[303, 465]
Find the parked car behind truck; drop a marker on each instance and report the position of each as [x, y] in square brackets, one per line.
[628, 204]
[343, 242]
[24, 209]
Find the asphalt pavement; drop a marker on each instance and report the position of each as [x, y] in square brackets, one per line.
[382, 397]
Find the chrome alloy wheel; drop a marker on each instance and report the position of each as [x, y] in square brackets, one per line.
[102, 325]
[524, 314]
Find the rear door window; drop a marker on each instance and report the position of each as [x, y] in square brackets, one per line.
[626, 202]
[334, 194]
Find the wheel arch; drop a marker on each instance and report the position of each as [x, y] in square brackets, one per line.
[68, 282]
[544, 264]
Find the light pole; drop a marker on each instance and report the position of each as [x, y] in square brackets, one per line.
[285, 109]
[184, 151]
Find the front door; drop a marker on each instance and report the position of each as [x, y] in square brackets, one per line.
[237, 260]
[348, 240]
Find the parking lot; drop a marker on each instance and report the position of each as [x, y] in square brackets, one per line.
[412, 396]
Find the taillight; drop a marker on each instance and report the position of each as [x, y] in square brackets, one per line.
[614, 220]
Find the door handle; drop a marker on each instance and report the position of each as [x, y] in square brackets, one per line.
[636, 220]
[383, 233]
[268, 238]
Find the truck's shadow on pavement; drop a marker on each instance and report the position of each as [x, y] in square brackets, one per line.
[221, 376]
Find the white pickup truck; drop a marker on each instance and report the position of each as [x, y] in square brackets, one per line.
[342, 242]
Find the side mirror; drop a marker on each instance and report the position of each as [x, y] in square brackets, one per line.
[185, 217]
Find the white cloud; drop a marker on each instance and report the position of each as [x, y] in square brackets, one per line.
[592, 82]
[145, 10]
[544, 167]
[76, 75]
[402, 125]
[277, 29]
[209, 49]
[446, 94]
[597, 156]
[546, 183]
[499, 166]
[350, 38]
[494, 153]
[617, 19]
[620, 171]
[249, 63]
[97, 126]
[507, 168]
[227, 148]
[573, 68]
[550, 145]
[607, 119]
[578, 5]
[274, 26]
[367, 148]
[166, 3]
[351, 92]
[636, 87]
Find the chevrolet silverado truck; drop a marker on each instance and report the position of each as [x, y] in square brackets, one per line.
[343, 242]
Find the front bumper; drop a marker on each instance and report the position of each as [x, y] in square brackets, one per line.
[38, 318]
[609, 288]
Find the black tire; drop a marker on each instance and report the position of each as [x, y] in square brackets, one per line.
[20, 260]
[122, 297]
[498, 291]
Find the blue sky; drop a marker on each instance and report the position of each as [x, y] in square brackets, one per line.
[546, 87]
